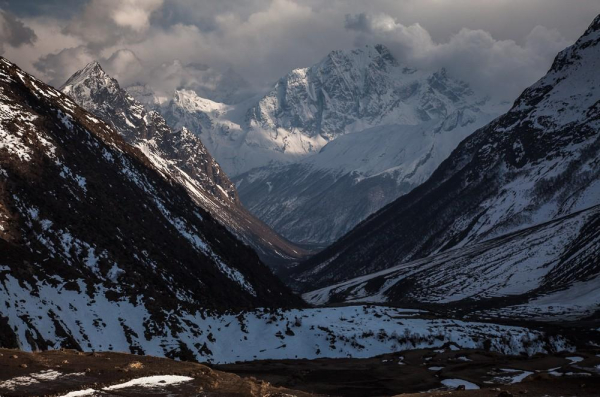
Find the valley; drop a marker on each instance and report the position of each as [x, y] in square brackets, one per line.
[354, 227]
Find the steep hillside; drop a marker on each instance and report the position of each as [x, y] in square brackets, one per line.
[179, 155]
[538, 162]
[84, 213]
[546, 272]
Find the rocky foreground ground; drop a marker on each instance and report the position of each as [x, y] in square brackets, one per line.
[426, 372]
[71, 373]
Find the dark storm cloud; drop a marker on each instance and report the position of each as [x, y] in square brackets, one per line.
[359, 22]
[13, 32]
[35, 8]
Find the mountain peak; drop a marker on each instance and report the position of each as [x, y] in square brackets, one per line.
[594, 26]
[93, 71]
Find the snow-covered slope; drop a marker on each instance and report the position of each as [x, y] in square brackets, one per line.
[513, 275]
[179, 155]
[538, 162]
[332, 143]
[101, 251]
[322, 197]
[67, 318]
[85, 212]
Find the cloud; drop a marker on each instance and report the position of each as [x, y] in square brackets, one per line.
[124, 66]
[13, 32]
[57, 68]
[106, 22]
[161, 42]
[500, 68]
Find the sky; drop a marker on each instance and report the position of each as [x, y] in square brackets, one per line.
[499, 47]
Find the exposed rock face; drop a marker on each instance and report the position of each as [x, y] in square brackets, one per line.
[179, 155]
[83, 212]
[536, 163]
[332, 143]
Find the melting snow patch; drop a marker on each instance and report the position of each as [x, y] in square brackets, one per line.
[32, 379]
[78, 393]
[509, 375]
[575, 359]
[454, 383]
[152, 381]
[436, 368]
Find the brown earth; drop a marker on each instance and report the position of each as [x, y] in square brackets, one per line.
[99, 370]
[385, 376]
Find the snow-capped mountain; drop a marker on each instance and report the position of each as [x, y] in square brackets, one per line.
[334, 142]
[179, 155]
[537, 163]
[100, 251]
[83, 211]
[322, 197]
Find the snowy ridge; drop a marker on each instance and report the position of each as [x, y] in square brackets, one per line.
[545, 264]
[322, 197]
[179, 155]
[536, 163]
[173, 152]
[357, 128]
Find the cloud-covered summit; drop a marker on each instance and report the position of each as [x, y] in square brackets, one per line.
[497, 48]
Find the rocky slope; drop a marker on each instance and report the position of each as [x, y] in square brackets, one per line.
[536, 163]
[546, 272]
[319, 199]
[70, 373]
[104, 251]
[332, 143]
[84, 214]
[179, 155]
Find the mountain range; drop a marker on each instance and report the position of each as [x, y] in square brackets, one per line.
[84, 213]
[119, 230]
[179, 155]
[330, 144]
[511, 213]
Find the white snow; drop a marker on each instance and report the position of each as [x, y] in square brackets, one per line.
[454, 383]
[510, 376]
[37, 378]
[152, 382]
[97, 324]
[502, 267]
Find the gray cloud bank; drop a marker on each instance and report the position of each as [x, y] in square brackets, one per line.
[498, 47]
[13, 32]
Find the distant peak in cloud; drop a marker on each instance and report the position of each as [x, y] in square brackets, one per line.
[497, 67]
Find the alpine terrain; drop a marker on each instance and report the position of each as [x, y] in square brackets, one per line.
[511, 217]
[193, 224]
[332, 143]
[86, 215]
[179, 155]
[102, 250]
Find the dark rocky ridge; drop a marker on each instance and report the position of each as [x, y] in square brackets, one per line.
[83, 210]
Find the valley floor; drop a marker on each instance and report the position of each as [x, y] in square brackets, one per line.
[424, 372]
